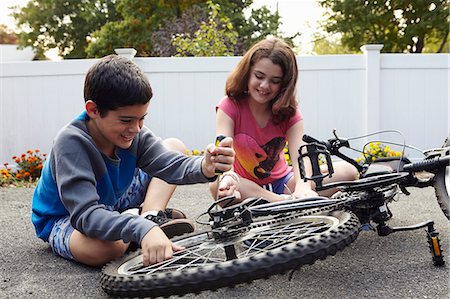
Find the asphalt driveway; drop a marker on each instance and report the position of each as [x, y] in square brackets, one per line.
[396, 266]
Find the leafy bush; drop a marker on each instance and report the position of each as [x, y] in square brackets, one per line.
[375, 150]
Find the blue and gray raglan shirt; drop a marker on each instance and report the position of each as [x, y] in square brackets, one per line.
[79, 181]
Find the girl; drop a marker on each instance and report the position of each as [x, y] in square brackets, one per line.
[260, 112]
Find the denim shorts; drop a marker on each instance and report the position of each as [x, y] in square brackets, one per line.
[62, 229]
[279, 185]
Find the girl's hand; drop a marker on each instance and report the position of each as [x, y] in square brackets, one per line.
[156, 247]
[219, 157]
[304, 192]
[229, 185]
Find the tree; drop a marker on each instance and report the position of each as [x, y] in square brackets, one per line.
[82, 28]
[400, 25]
[139, 19]
[260, 23]
[7, 36]
[187, 24]
[62, 24]
[215, 37]
[329, 45]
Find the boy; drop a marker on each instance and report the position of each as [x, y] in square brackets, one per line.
[105, 162]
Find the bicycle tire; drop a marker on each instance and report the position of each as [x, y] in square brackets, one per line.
[442, 186]
[121, 278]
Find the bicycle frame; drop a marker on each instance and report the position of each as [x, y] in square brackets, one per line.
[379, 183]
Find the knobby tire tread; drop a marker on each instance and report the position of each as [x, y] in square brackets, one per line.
[230, 273]
[440, 189]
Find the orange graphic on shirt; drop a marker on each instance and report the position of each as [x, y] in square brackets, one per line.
[258, 160]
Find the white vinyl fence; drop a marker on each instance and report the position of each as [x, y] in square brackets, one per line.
[356, 94]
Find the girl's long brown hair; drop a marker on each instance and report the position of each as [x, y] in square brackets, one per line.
[284, 104]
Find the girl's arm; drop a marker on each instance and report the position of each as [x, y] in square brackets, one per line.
[294, 136]
[224, 124]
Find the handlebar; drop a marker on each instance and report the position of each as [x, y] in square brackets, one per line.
[315, 147]
[333, 145]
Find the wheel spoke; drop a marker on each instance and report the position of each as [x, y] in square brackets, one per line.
[277, 237]
[258, 250]
[209, 251]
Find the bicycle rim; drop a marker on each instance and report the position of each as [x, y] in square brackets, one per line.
[442, 186]
[261, 251]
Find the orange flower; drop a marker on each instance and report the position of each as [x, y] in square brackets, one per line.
[29, 151]
[36, 151]
[26, 174]
[18, 176]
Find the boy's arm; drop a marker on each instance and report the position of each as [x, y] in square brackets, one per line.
[77, 167]
[176, 168]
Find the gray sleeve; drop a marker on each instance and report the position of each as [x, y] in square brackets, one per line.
[170, 166]
[76, 166]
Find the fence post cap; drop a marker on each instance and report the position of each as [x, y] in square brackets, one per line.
[126, 52]
[372, 47]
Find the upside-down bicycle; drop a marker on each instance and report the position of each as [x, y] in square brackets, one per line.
[256, 239]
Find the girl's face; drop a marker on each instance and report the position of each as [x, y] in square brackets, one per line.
[265, 81]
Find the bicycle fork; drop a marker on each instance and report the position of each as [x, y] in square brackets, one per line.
[433, 240]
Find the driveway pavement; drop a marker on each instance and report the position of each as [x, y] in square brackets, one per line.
[396, 266]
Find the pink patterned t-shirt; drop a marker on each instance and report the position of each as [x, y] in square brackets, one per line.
[259, 151]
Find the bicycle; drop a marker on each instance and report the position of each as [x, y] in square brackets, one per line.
[256, 239]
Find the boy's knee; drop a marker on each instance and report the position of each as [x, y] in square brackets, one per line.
[100, 252]
[110, 252]
[175, 144]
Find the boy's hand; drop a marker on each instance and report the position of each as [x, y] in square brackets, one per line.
[220, 157]
[156, 247]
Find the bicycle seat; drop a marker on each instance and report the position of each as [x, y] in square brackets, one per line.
[385, 166]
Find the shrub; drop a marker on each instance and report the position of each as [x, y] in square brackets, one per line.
[375, 150]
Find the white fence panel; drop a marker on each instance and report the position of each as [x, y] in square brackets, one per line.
[331, 95]
[415, 97]
[186, 91]
[353, 93]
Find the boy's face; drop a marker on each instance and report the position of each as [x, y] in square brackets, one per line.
[117, 128]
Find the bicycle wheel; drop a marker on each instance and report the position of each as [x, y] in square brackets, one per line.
[442, 186]
[263, 249]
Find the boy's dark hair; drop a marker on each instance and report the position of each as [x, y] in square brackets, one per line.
[115, 82]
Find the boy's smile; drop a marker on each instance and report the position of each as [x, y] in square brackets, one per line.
[117, 128]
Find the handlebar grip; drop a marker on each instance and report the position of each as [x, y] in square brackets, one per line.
[309, 139]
